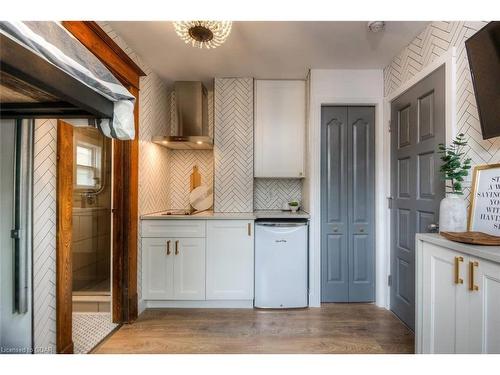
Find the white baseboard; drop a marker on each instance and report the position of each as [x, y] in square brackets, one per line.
[226, 304]
[141, 306]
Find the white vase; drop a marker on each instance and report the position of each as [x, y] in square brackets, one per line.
[453, 214]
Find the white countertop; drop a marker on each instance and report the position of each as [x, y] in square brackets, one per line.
[210, 215]
[486, 252]
[205, 215]
[279, 214]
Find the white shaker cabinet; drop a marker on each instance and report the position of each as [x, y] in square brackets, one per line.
[230, 260]
[280, 122]
[444, 317]
[157, 268]
[173, 268]
[458, 297]
[484, 307]
[173, 259]
[189, 269]
[197, 263]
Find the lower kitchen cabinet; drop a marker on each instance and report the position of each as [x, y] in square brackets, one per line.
[458, 300]
[157, 268]
[484, 307]
[173, 268]
[197, 263]
[230, 260]
[189, 269]
[444, 319]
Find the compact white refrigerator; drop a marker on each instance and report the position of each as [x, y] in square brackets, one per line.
[281, 264]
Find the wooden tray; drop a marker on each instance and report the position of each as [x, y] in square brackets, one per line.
[474, 238]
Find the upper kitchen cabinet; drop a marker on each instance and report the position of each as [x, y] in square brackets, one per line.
[280, 119]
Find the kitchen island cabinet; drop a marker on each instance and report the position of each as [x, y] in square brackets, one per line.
[457, 297]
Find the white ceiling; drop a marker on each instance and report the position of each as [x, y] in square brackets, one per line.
[277, 50]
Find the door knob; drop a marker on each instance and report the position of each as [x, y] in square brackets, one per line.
[361, 230]
[335, 229]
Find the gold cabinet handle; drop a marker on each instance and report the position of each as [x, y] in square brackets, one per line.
[472, 285]
[458, 279]
[249, 229]
[177, 247]
[168, 247]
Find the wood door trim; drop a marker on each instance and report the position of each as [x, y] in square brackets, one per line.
[90, 34]
[125, 175]
[64, 225]
[125, 225]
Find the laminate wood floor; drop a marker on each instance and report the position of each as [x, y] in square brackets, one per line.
[333, 328]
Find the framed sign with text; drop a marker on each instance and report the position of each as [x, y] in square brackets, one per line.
[484, 210]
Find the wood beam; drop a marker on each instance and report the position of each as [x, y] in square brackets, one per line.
[64, 225]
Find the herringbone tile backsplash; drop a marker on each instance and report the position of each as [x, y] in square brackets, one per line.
[182, 163]
[44, 235]
[272, 193]
[435, 40]
[233, 145]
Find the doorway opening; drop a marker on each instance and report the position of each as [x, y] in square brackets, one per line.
[91, 244]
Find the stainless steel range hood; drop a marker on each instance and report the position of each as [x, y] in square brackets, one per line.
[190, 124]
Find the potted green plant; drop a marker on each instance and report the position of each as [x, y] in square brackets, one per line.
[455, 167]
[294, 205]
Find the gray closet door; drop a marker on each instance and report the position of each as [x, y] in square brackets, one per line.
[417, 127]
[361, 202]
[334, 221]
[347, 198]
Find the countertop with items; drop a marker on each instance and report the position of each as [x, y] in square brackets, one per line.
[486, 252]
[210, 215]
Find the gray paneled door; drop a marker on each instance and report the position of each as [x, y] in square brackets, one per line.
[417, 127]
[347, 203]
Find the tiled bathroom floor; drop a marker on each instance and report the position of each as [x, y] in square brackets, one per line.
[89, 328]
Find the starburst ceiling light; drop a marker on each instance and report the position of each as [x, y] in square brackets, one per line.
[203, 34]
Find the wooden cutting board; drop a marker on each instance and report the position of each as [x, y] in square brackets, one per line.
[473, 238]
[195, 178]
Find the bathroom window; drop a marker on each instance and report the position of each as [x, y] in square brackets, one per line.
[88, 161]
